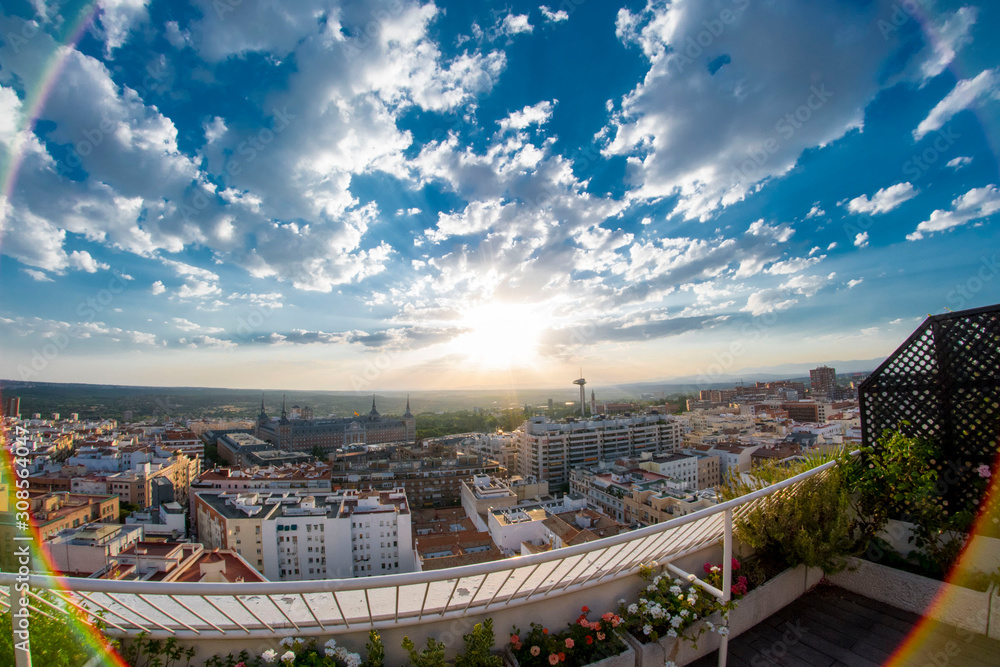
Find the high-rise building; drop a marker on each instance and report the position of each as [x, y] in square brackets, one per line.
[823, 380]
[12, 407]
[549, 450]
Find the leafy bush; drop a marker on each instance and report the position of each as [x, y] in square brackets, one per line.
[479, 647]
[432, 656]
[808, 524]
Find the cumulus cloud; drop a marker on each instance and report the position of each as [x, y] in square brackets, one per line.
[815, 211]
[82, 260]
[721, 111]
[189, 326]
[554, 16]
[976, 204]
[884, 200]
[538, 114]
[158, 288]
[861, 240]
[515, 24]
[967, 93]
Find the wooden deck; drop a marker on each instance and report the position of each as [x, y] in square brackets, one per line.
[831, 627]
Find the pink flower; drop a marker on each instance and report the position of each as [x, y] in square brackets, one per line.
[514, 639]
[600, 636]
[983, 470]
[707, 567]
[569, 642]
[535, 650]
[553, 659]
[736, 563]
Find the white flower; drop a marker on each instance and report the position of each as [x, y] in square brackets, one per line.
[723, 631]
[684, 613]
[678, 582]
[711, 626]
[331, 643]
[622, 601]
[675, 589]
[671, 632]
[633, 608]
[651, 588]
[329, 652]
[353, 660]
[340, 652]
[287, 656]
[646, 629]
[676, 621]
[269, 655]
[287, 641]
[715, 568]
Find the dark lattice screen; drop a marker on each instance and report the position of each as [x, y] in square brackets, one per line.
[943, 383]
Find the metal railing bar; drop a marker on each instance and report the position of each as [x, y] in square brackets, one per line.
[199, 616]
[112, 596]
[253, 613]
[396, 617]
[130, 621]
[282, 612]
[450, 596]
[85, 610]
[475, 593]
[165, 613]
[596, 568]
[566, 576]
[510, 573]
[312, 613]
[340, 611]
[424, 602]
[369, 605]
[219, 609]
[521, 585]
[539, 584]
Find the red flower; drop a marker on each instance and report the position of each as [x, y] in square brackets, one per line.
[590, 640]
[545, 631]
[707, 567]
[562, 657]
[736, 563]
[586, 609]
[514, 639]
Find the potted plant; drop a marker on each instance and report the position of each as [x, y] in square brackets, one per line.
[671, 615]
[584, 642]
[908, 538]
[479, 647]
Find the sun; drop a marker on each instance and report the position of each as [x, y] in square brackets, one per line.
[500, 335]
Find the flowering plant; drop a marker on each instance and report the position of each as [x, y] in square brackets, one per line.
[299, 651]
[582, 643]
[670, 607]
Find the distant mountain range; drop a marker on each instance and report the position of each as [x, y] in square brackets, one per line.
[113, 401]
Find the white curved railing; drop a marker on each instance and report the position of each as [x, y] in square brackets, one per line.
[329, 607]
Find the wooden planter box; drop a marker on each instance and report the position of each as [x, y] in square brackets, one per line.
[955, 605]
[624, 659]
[753, 608]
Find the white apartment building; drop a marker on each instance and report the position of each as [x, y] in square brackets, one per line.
[291, 536]
[676, 466]
[550, 450]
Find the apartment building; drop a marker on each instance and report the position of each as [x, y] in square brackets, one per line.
[549, 450]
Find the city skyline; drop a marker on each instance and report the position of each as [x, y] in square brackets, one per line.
[377, 195]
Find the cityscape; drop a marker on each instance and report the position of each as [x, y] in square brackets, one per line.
[369, 333]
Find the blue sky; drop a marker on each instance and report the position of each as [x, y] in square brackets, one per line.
[406, 195]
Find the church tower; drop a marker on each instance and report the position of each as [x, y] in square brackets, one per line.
[410, 422]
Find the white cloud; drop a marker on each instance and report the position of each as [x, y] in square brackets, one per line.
[82, 260]
[815, 211]
[959, 162]
[158, 288]
[975, 204]
[188, 325]
[515, 24]
[768, 301]
[794, 265]
[831, 246]
[861, 240]
[966, 94]
[720, 112]
[206, 341]
[40, 276]
[117, 18]
[851, 284]
[884, 200]
[554, 17]
[945, 39]
[538, 114]
[214, 129]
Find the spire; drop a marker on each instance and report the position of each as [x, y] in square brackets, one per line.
[262, 402]
[407, 413]
[374, 413]
[284, 414]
